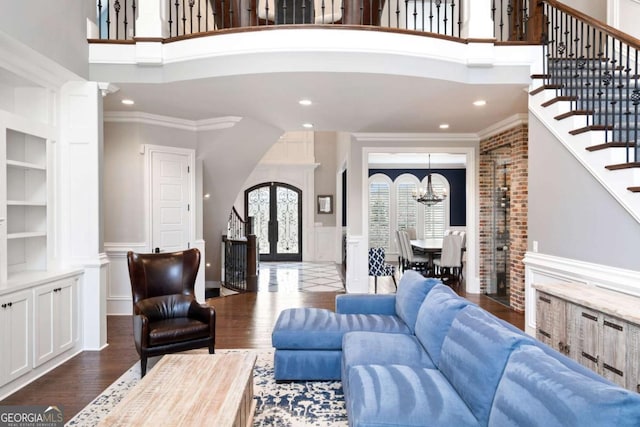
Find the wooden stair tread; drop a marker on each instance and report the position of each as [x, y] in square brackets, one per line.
[545, 87]
[574, 113]
[634, 189]
[540, 76]
[590, 128]
[621, 166]
[558, 99]
[607, 145]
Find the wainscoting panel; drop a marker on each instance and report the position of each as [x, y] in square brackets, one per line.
[357, 280]
[547, 269]
[325, 243]
[119, 286]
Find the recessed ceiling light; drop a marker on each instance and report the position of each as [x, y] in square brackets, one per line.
[480, 103]
[444, 126]
[305, 102]
[307, 125]
[206, 196]
[128, 102]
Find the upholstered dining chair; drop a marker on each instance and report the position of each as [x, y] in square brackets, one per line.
[378, 267]
[166, 316]
[451, 257]
[463, 256]
[413, 261]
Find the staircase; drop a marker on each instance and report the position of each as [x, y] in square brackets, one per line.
[588, 95]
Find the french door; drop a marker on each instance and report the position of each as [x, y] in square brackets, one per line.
[277, 211]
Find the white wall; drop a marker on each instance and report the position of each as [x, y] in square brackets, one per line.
[56, 29]
[124, 193]
[624, 15]
[595, 9]
[570, 214]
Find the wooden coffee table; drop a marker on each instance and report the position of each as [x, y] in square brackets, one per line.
[191, 390]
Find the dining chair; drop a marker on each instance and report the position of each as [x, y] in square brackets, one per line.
[267, 10]
[463, 256]
[451, 258]
[327, 11]
[402, 257]
[413, 261]
[378, 267]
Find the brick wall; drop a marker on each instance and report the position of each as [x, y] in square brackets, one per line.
[508, 148]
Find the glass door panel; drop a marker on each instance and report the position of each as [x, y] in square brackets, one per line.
[277, 210]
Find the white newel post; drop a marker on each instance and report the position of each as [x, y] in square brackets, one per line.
[80, 210]
[479, 22]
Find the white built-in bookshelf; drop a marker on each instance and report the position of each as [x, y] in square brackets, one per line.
[26, 202]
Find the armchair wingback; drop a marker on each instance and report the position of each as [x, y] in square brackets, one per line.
[166, 316]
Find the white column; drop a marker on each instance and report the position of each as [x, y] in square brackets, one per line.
[80, 210]
[151, 19]
[479, 24]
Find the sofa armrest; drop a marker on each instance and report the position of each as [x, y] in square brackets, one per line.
[366, 304]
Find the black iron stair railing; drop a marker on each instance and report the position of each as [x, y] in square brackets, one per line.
[596, 68]
[240, 254]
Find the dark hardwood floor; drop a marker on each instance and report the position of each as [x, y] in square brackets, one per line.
[243, 321]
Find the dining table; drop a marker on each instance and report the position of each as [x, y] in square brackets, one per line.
[430, 247]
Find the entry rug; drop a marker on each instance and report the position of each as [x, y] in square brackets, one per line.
[298, 404]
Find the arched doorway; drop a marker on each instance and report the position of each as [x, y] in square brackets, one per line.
[277, 210]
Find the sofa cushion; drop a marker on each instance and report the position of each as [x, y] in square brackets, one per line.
[474, 354]
[316, 328]
[412, 290]
[436, 314]
[394, 395]
[375, 348]
[538, 390]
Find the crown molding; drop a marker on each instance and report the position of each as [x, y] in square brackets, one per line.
[171, 122]
[504, 125]
[415, 137]
[32, 66]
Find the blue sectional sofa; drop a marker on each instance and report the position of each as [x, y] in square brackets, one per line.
[443, 361]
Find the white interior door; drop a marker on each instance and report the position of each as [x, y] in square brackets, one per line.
[170, 201]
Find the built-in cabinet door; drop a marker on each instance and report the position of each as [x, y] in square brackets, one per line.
[551, 321]
[613, 353]
[54, 307]
[633, 360]
[583, 335]
[15, 335]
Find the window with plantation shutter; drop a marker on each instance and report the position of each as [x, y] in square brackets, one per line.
[379, 218]
[407, 208]
[435, 217]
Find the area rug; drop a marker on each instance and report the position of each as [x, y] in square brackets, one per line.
[298, 404]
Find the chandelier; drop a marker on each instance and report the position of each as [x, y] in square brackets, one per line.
[427, 196]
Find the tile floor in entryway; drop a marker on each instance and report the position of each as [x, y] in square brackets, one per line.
[299, 277]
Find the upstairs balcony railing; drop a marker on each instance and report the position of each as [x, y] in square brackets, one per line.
[512, 20]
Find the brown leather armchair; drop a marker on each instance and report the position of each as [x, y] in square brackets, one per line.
[166, 316]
